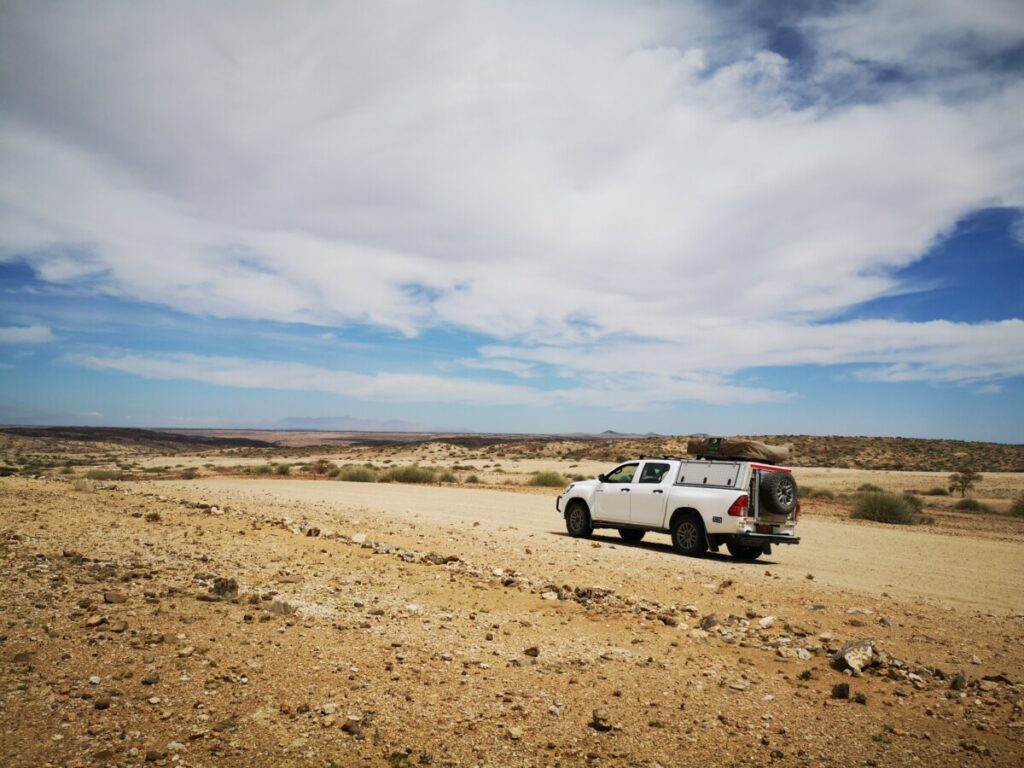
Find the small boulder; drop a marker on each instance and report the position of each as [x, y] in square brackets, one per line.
[856, 656]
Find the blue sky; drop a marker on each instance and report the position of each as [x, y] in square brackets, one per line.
[547, 217]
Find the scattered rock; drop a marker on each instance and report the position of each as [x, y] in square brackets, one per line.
[855, 655]
[114, 597]
[841, 691]
[533, 651]
[600, 721]
[225, 587]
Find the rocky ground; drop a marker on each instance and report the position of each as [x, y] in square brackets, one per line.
[191, 625]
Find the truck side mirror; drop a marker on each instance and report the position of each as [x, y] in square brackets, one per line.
[602, 478]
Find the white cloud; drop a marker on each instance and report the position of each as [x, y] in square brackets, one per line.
[553, 178]
[28, 334]
[633, 394]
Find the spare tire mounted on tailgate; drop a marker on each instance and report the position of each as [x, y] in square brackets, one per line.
[778, 492]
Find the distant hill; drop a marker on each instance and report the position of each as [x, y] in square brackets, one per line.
[137, 438]
[891, 453]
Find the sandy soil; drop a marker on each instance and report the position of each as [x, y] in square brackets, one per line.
[840, 555]
[227, 622]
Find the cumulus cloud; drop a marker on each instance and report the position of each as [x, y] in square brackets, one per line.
[28, 334]
[556, 178]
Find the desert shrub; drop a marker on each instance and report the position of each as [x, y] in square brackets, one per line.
[547, 479]
[261, 469]
[578, 478]
[884, 508]
[283, 469]
[67, 470]
[935, 492]
[971, 505]
[472, 480]
[189, 474]
[412, 473]
[448, 477]
[7, 471]
[321, 467]
[334, 472]
[808, 492]
[83, 485]
[913, 501]
[354, 473]
[105, 474]
[870, 488]
[1017, 508]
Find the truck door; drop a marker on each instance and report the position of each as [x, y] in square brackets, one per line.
[611, 499]
[648, 494]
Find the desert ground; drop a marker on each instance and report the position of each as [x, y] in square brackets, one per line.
[237, 618]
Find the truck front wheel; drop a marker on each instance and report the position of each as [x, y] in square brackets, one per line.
[688, 535]
[577, 521]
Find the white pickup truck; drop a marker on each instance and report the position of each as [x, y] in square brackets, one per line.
[700, 503]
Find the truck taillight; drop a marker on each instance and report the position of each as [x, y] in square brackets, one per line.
[739, 507]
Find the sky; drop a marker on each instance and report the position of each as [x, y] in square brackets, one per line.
[725, 217]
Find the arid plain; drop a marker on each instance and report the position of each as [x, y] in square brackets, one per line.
[197, 605]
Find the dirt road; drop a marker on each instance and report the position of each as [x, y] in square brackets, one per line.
[859, 557]
[259, 623]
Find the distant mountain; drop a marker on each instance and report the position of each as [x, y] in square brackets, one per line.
[346, 424]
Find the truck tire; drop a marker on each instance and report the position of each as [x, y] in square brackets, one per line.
[577, 521]
[631, 535]
[688, 536]
[778, 493]
[742, 552]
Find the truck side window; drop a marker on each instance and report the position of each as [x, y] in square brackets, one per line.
[653, 473]
[623, 474]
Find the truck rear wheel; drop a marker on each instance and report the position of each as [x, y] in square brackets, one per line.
[688, 535]
[632, 535]
[577, 521]
[743, 552]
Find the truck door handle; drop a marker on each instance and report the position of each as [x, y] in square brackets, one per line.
[657, 491]
[624, 490]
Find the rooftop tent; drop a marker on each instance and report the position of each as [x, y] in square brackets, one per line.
[736, 448]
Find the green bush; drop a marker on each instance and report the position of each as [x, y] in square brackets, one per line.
[870, 488]
[885, 508]
[913, 501]
[972, 505]
[354, 473]
[448, 477]
[412, 473]
[935, 492]
[472, 479]
[1017, 508]
[189, 474]
[547, 479]
[262, 469]
[283, 469]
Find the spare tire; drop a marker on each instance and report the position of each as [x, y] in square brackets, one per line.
[778, 493]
